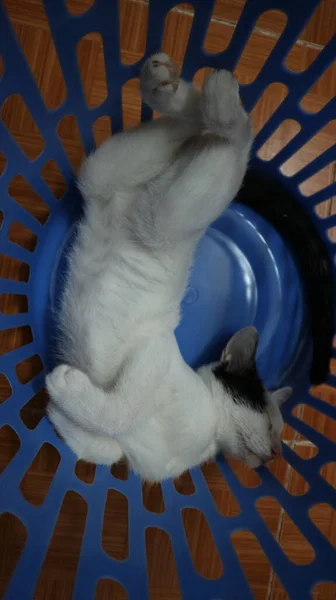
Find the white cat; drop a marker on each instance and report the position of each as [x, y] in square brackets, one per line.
[150, 193]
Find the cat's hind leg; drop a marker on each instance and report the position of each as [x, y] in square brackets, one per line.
[205, 175]
[164, 91]
[134, 157]
[99, 449]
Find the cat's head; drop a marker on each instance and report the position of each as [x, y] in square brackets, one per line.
[251, 422]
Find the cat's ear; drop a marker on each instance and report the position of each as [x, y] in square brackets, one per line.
[239, 354]
[282, 395]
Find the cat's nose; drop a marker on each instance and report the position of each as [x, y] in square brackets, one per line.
[276, 451]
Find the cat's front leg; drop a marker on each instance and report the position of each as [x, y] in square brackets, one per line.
[97, 411]
[73, 393]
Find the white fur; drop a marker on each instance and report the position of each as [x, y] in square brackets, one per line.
[150, 193]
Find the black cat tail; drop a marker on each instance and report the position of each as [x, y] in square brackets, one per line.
[268, 198]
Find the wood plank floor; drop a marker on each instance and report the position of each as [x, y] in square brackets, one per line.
[59, 568]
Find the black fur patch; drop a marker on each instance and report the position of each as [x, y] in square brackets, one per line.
[245, 388]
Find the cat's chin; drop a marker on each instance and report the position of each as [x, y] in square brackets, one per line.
[253, 461]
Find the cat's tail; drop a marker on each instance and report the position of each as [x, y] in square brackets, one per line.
[277, 206]
[222, 111]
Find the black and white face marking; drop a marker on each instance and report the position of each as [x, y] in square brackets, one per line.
[238, 373]
[256, 419]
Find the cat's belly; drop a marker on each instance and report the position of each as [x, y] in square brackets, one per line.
[105, 322]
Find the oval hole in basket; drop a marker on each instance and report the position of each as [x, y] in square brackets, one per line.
[78, 7]
[22, 126]
[300, 57]
[5, 388]
[184, 484]
[319, 30]
[271, 98]
[328, 472]
[321, 25]
[203, 550]
[318, 421]
[21, 235]
[71, 141]
[324, 517]
[247, 477]
[37, 44]
[253, 561]
[270, 510]
[32, 412]
[119, 470]
[1, 218]
[224, 499]
[12, 304]
[326, 590]
[222, 25]
[294, 544]
[54, 179]
[152, 497]
[108, 589]
[13, 269]
[66, 544]
[29, 368]
[305, 451]
[85, 471]
[323, 210]
[1, 66]
[115, 527]
[20, 190]
[133, 23]
[280, 469]
[321, 92]
[91, 62]
[324, 392]
[331, 233]
[279, 139]
[177, 30]
[317, 182]
[13, 536]
[297, 485]
[9, 445]
[161, 565]
[201, 75]
[101, 130]
[131, 103]
[259, 47]
[11, 339]
[3, 163]
[319, 143]
[38, 478]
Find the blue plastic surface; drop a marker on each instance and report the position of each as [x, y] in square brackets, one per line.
[243, 274]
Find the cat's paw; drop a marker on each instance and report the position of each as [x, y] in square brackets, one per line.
[220, 100]
[159, 78]
[64, 380]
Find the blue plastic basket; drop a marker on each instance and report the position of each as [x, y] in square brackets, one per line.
[42, 285]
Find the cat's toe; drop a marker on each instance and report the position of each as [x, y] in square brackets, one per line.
[159, 74]
[220, 101]
[221, 85]
[61, 378]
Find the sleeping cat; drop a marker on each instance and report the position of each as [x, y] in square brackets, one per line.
[150, 193]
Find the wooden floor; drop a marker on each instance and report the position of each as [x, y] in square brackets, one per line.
[59, 568]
